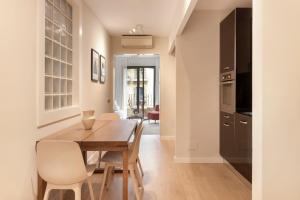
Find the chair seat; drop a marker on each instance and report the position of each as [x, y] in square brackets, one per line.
[154, 115]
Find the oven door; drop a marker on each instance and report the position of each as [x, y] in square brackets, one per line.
[227, 96]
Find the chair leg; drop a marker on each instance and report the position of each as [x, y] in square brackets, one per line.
[77, 192]
[99, 159]
[47, 192]
[138, 177]
[103, 181]
[135, 183]
[91, 188]
[110, 174]
[140, 166]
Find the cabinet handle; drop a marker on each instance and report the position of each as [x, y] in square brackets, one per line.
[226, 68]
[243, 122]
[225, 124]
[226, 116]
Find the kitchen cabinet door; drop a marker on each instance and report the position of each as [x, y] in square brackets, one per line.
[227, 43]
[227, 144]
[243, 40]
[243, 135]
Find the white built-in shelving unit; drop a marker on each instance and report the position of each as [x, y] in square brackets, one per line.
[58, 55]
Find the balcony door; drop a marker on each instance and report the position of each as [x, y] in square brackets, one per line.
[141, 90]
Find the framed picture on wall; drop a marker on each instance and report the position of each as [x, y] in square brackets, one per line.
[95, 65]
[102, 69]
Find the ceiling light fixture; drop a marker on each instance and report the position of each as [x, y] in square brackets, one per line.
[137, 30]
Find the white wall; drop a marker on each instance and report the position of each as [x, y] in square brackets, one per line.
[18, 102]
[197, 86]
[95, 95]
[183, 12]
[167, 80]
[276, 73]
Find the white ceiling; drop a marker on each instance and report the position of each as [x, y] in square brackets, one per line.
[119, 16]
[222, 4]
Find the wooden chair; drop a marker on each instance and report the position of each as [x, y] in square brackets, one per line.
[114, 159]
[61, 165]
[108, 117]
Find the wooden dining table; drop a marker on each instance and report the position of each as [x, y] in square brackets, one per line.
[104, 136]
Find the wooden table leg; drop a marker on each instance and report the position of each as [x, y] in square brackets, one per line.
[84, 155]
[41, 188]
[125, 174]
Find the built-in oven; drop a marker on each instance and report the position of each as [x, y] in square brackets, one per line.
[227, 92]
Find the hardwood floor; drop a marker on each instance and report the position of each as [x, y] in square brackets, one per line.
[151, 128]
[165, 180]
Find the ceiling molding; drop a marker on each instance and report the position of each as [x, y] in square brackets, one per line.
[184, 13]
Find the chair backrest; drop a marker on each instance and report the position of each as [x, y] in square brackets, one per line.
[157, 108]
[109, 116]
[60, 162]
[135, 147]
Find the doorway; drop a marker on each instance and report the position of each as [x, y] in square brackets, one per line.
[137, 89]
[141, 90]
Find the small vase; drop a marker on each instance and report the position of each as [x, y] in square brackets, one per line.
[88, 123]
[88, 113]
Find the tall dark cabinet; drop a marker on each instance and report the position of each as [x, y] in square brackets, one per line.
[236, 60]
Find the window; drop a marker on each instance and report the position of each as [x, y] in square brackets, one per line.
[58, 92]
[58, 59]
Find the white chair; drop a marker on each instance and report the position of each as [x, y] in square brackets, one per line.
[61, 165]
[114, 159]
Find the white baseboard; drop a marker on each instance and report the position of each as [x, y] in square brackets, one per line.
[168, 137]
[198, 159]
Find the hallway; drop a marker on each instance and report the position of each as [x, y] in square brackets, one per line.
[165, 180]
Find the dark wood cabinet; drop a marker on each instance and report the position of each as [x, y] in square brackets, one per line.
[227, 144]
[236, 41]
[243, 138]
[236, 57]
[236, 142]
[227, 43]
[243, 40]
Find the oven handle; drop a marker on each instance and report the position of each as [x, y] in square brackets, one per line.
[227, 82]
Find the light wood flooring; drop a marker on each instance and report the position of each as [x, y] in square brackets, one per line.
[165, 180]
[151, 128]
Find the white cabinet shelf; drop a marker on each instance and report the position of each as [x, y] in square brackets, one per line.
[58, 55]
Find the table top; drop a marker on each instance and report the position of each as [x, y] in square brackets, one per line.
[104, 132]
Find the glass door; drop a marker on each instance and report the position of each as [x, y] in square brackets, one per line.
[141, 91]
